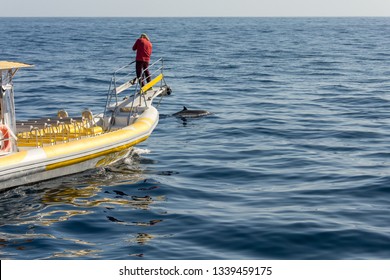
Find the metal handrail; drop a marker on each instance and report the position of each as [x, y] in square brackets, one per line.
[127, 80]
[112, 90]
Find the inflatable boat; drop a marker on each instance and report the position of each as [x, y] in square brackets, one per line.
[44, 148]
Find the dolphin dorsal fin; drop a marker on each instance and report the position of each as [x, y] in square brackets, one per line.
[185, 108]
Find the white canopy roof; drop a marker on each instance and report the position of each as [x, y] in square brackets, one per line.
[6, 65]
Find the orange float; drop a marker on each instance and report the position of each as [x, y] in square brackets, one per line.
[5, 141]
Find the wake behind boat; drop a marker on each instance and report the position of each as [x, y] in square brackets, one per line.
[46, 148]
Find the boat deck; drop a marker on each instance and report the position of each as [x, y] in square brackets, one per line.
[50, 131]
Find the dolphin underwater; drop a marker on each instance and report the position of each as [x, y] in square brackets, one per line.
[185, 113]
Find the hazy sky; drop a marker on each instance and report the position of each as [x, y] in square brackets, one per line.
[133, 8]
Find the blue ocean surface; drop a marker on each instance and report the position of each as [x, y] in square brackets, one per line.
[294, 162]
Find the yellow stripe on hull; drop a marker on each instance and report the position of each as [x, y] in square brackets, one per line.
[96, 155]
[100, 141]
[13, 159]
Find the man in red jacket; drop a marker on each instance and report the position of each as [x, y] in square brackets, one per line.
[143, 46]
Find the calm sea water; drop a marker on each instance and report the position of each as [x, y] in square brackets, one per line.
[293, 164]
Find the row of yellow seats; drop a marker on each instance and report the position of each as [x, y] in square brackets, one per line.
[59, 133]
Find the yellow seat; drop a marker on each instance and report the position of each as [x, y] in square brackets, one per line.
[84, 131]
[30, 142]
[53, 134]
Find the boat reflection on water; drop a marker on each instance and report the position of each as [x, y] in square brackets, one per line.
[81, 210]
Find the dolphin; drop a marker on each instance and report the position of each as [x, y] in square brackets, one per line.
[185, 113]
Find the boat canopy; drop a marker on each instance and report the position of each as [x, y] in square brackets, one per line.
[8, 65]
[7, 105]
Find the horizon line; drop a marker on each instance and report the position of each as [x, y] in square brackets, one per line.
[225, 16]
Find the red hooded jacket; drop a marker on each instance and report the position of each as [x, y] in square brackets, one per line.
[143, 48]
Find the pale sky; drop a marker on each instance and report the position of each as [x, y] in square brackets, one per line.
[186, 8]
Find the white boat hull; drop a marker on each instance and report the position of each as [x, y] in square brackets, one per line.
[49, 162]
